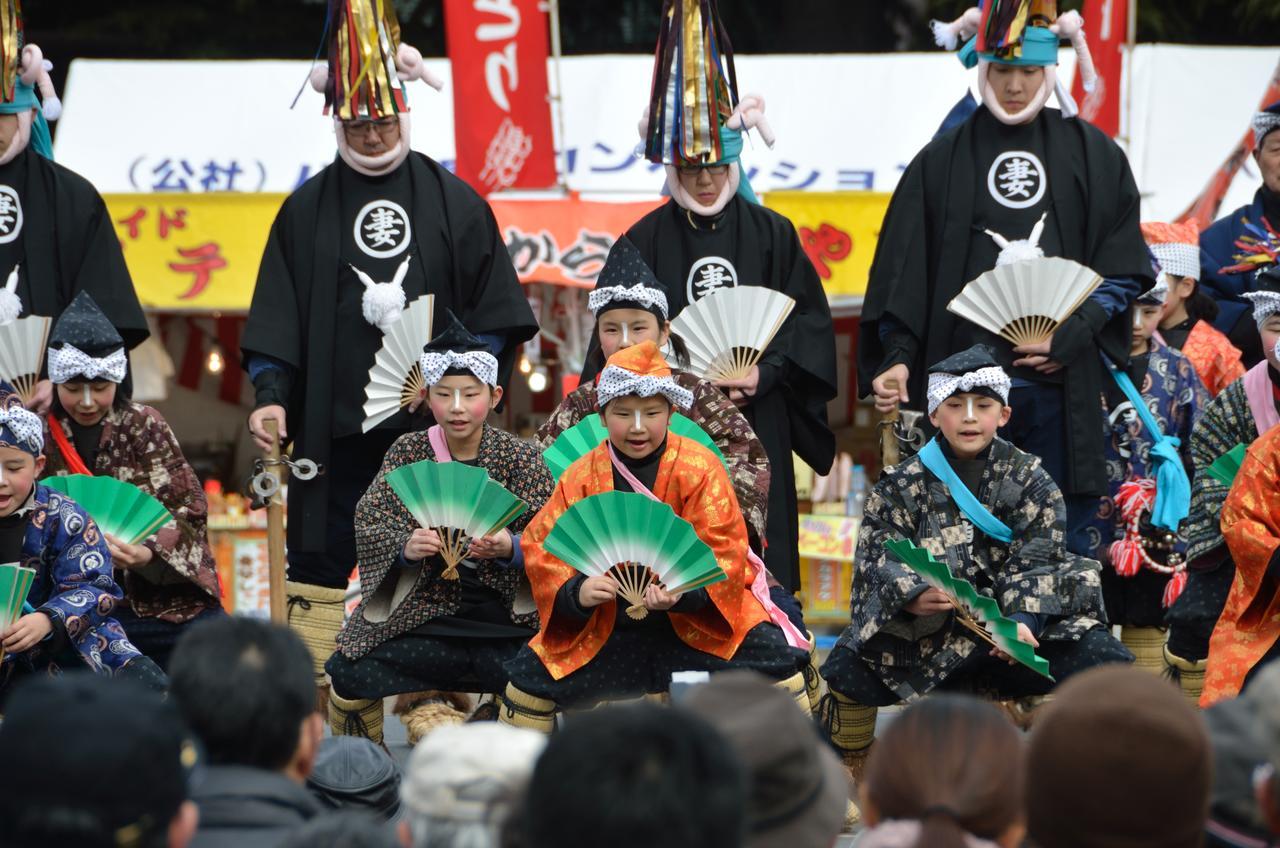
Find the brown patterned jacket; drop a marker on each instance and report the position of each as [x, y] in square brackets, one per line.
[137, 447]
[748, 465]
[396, 600]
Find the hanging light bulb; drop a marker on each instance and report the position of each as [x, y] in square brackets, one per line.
[525, 366]
[215, 363]
[538, 380]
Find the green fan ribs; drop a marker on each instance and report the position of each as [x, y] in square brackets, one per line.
[120, 509]
[610, 529]
[1001, 631]
[455, 496]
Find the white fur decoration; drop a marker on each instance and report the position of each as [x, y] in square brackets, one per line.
[10, 303]
[949, 35]
[382, 303]
[1019, 250]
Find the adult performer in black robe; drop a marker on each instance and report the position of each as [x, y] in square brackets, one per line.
[55, 232]
[713, 234]
[371, 232]
[1002, 169]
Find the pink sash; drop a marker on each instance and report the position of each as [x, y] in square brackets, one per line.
[1257, 387]
[439, 444]
[759, 586]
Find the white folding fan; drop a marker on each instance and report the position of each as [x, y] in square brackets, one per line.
[22, 345]
[395, 379]
[728, 330]
[1025, 301]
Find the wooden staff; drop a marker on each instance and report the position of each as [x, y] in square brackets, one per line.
[275, 525]
[890, 453]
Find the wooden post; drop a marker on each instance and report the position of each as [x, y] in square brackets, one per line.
[275, 526]
[890, 454]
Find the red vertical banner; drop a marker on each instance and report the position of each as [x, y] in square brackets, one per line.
[1106, 23]
[501, 110]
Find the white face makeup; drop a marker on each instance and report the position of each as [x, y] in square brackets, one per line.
[968, 408]
[625, 337]
[87, 399]
[639, 426]
[457, 398]
[1137, 319]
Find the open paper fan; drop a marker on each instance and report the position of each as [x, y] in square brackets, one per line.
[728, 330]
[583, 437]
[637, 541]
[120, 509]
[458, 501]
[395, 379]
[1024, 302]
[1224, 468]
[980, 614]
[22, 344]
[15, 583]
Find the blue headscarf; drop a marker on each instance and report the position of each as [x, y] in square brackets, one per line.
[731, 142]
[24, 99]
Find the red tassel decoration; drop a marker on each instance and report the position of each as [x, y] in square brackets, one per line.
[1174, 587]
[1126, 556]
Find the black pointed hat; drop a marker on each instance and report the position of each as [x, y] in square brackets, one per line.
[623, 270]
[84, 326]
[455, 337]
[967, 361]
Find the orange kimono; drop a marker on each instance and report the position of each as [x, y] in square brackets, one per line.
[694, 483]
[1215, 358]
[1250, 622]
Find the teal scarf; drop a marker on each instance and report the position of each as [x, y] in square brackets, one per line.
[933, 459]
[1173, 489]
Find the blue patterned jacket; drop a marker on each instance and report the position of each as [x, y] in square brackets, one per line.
[73, 584]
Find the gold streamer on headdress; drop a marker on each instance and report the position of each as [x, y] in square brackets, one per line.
[365, 81]
[10, 47]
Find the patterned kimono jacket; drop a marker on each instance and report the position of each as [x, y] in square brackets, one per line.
[73, 584]
[397, 600]
[1175, 396]
[1034, 574]
[1215, 358]
[694, 483]
[1225, 422]
[1250, 622]
[137, 447]
[719, 417]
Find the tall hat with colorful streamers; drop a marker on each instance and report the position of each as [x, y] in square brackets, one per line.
[695, 117]
[365, 76]
[23, 70]
[1019, 32]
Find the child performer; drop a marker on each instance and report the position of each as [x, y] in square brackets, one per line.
[994, 515]
[588, 649]
[415, 630]
[170, 580]
[1187, 323]
[1144, 566]
[630, 306]
[1244, 411]
[1247, 636]
[67, 618]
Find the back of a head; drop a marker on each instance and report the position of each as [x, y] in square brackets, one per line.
[1118, 758]
[345, 829]
[244, 687]
[952, 762]
[462, 782]
[636, 776]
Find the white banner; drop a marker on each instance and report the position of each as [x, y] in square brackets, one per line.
[844, 122]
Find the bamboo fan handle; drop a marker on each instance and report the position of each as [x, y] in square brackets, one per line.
[639, 612]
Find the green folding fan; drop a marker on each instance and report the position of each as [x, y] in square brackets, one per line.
[973, 610]
[1224, 468]
[587, 434]
[15, 582]
[635, 540]
[121, 509]
[458, 501]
